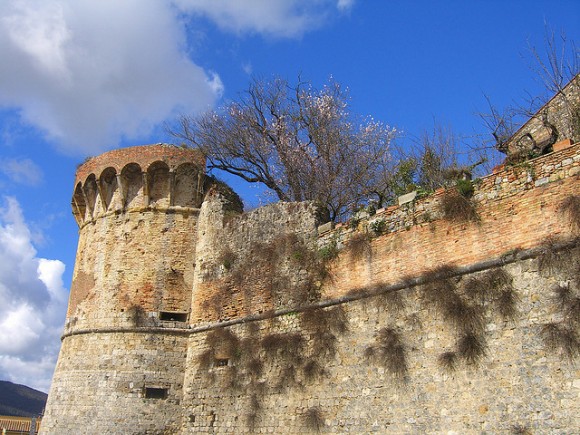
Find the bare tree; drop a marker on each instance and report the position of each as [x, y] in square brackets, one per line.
[556, 67]
[301, 143]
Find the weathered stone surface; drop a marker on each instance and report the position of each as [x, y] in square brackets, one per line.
[247, 358]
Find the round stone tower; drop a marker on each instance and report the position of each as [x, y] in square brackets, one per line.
[120, 368]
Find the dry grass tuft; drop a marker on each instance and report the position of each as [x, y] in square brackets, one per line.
[561, 338]
[391, 300]
[495, 286]
[457, 208]
[227, 259]
[440, 293]
[567, 303]
[507, 304]
[463, 316]
[359, 245]
[313, 370]
[283, 343]
[549, 260]
[519, 429]
[390, 351]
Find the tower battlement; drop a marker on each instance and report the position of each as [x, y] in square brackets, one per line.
[159, 176]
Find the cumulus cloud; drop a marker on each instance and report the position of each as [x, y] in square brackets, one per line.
[32, 304]
[88, 73]
[21, 171]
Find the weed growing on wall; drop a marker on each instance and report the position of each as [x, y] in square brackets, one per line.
[457, 208]
[471, 347]
[561, 260]
[378, 227]
[456, 203]
[227, 259]
[562, 338]
[448, 361]
[359, 245]
[466, 307]
[562, 335]
[519, 429]
[392, 301]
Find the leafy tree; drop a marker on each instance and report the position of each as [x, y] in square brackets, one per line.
[300, 142]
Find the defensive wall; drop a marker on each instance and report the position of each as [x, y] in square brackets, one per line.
[188, 317]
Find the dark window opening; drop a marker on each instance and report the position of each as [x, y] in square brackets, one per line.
[155, 393]
[172, 316]
[221, 362]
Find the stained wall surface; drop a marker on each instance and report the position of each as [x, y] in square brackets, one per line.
[429, 325]
[130, 299]
[398, 343]
[303, 373]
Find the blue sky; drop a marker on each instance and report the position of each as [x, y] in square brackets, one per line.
[79, 77]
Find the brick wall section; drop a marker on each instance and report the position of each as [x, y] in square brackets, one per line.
[517, 208]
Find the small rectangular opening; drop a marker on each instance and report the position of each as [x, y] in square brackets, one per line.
[155, 393]
[221, 362]
[172, 316]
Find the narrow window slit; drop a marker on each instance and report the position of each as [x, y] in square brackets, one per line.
[155, 393]
[172, 316]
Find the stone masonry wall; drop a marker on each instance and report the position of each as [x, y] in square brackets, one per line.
[558, 119]
[101, 379]
[309, 372]
[329, 368]
[240, 266]
[121, 365]
[426, 326]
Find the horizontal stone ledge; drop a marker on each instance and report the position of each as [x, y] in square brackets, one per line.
[135, 330]
[167, 210]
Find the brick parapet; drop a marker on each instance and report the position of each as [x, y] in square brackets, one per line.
[516, 211]
[509, 181]
[143, 155]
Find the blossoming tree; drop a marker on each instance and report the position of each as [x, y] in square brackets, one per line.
[300, 142]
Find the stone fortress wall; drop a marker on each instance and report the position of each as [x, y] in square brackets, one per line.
[186, 317]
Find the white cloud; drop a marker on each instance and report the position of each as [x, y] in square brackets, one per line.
[88, 73]
[32, 304]
[248, 68]
[345, 5]
[280, 18]
[22, 171]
